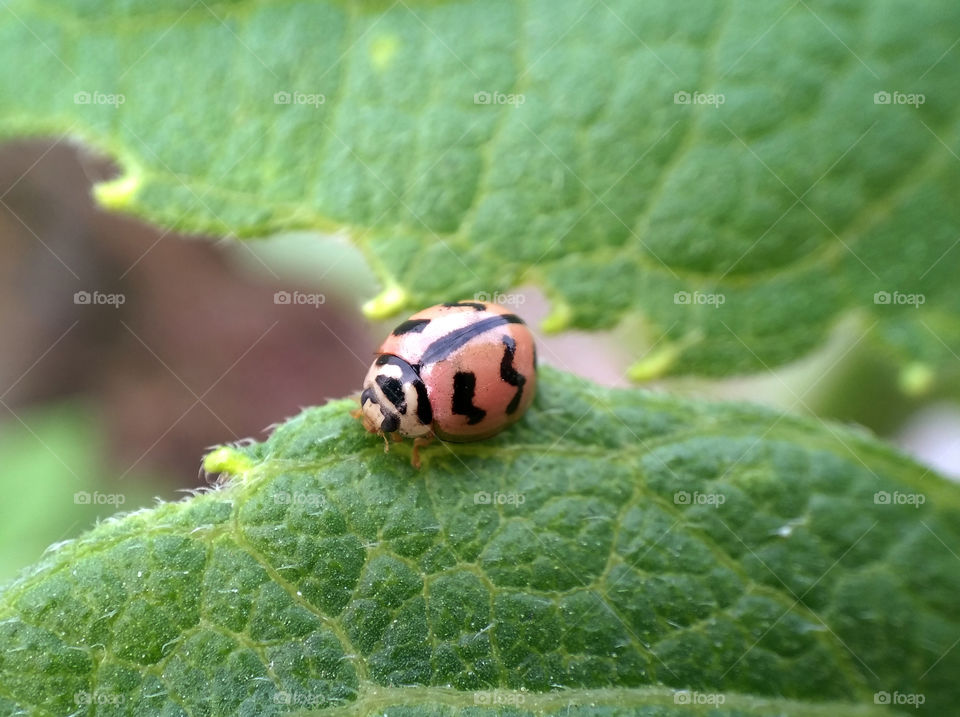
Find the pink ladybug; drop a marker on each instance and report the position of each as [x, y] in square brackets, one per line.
[461, 371]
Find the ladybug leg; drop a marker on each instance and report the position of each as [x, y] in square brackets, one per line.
[386, 443]
[396, 437]
[419, 443]
[356, 413]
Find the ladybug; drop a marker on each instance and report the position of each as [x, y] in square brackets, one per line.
[460, 372]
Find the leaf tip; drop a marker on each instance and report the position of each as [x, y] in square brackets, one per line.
[559, 318]
[916, 379]
[386, 303]
[382, 50]
[117, 193]
[654, 364]
[226, 459]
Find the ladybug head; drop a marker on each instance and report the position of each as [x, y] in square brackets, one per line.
[395, 399]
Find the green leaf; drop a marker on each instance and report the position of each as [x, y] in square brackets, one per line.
[611, 548]
[795, 200]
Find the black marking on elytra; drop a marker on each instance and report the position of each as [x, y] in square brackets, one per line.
[464, 387]
[475, 304]
[390, 423]
[446, 345]
[424, 409]
[393, 391]
[411, 326]
[408, 373]
[509, 374]
[368, 395]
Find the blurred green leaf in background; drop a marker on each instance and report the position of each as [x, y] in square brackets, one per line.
[55, 483]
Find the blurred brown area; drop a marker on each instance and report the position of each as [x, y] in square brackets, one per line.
[197, 354]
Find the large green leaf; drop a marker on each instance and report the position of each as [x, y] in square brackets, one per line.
[611, 548]
[796, 199]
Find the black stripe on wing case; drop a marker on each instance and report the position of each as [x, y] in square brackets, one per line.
[476, 305]
[509, 374]
[464, 387]
[411, 326]
[424, 409]
[407, 372]
[446, 345]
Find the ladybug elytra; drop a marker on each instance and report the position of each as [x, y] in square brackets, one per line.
[461, 371]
